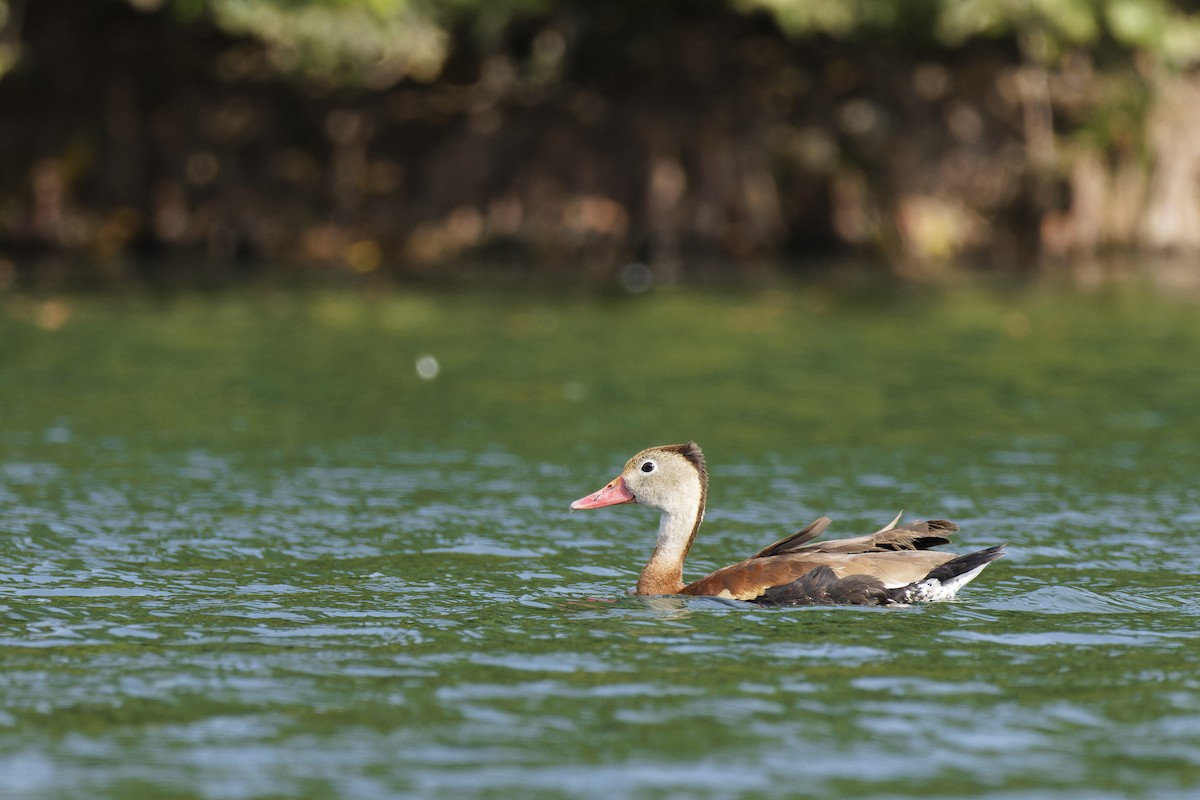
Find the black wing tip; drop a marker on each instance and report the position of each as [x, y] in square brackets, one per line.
[927, 534]
[957, 566]
[990, 554]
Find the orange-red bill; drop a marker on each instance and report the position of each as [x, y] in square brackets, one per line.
[615, 493]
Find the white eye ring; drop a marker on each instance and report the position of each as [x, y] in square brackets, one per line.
[648, 466]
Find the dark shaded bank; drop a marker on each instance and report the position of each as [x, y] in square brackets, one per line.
[682, 135]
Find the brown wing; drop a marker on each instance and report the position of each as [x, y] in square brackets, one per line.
[895, 555]
[748, 579]
[812, 531]
[910, 536]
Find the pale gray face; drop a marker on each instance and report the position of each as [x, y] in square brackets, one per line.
[671, 478]
[663, 478]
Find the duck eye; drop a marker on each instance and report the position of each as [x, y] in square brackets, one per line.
[648, 466]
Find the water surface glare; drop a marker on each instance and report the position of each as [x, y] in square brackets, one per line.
[255, 545]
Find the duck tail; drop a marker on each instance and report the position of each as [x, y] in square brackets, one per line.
[944, 581]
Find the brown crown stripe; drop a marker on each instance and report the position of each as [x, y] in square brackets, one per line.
[691, 451]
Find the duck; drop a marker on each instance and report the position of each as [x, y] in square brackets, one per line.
[894, 566]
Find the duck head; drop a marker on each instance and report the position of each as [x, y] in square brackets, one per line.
[671, 478]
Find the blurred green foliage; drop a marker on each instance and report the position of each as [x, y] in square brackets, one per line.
[377, 42]
[1045, 29]
[373, 41]
[10, 25]
[382, 40]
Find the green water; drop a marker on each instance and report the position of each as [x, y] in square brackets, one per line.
[247, 550]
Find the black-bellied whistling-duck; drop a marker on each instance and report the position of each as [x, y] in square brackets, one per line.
[893, 566]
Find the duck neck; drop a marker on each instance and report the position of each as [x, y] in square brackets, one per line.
[676, 531]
